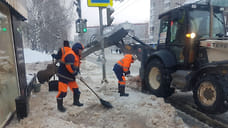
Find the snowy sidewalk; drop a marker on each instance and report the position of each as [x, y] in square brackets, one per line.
[136, 111]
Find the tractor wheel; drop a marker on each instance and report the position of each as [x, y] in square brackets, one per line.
[157, 79]
[209, 95]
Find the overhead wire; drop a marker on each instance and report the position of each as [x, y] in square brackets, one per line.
[121, 5]
[124, 7]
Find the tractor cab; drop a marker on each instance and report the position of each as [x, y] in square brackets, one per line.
[191, 56]
[181, 30]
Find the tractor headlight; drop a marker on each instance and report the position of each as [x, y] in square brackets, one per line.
[191, 35]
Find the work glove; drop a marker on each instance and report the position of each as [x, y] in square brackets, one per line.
[77, 71]
[127, 73]
[53, 55]
[78, 76]
[75, 74]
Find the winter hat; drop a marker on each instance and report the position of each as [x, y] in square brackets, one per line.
[76, 47]
[66, 43]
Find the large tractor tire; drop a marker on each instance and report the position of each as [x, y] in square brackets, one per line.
[209, 95]
[157, 79]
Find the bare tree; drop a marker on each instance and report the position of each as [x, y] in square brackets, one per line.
[48, 24]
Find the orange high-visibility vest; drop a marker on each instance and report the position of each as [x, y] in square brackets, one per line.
[76, 61]
[126, 62]
[64, 50]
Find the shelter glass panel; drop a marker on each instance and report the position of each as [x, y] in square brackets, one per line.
[8, 76]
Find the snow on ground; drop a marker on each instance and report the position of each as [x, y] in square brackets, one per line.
[32, 56]
[36, 58]
[192, 1]
[139, 110]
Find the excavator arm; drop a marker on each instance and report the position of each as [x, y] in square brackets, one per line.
[110, 40]
[116, 38]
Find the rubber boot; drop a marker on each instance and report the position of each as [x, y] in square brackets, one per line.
[122, 91]
[60, 106]
[76, 100]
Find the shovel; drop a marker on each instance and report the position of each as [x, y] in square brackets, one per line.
[103, 102]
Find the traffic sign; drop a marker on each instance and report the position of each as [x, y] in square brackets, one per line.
[99, 3]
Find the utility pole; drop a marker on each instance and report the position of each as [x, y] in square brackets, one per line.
[102, 4]
[102, 46]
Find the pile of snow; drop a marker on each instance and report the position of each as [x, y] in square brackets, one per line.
[32, 56]
[191, 1]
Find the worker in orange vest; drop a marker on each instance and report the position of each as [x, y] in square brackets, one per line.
[122, 69]
[62, 51]
[68, 69]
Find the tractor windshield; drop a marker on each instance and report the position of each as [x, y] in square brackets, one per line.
[200, 23]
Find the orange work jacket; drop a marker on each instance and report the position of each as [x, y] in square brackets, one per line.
[71, 65]
[126, 62]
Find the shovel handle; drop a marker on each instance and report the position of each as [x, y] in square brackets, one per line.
[83, 81]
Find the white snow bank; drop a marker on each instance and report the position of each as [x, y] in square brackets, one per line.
[191, 1]
[35, 56]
